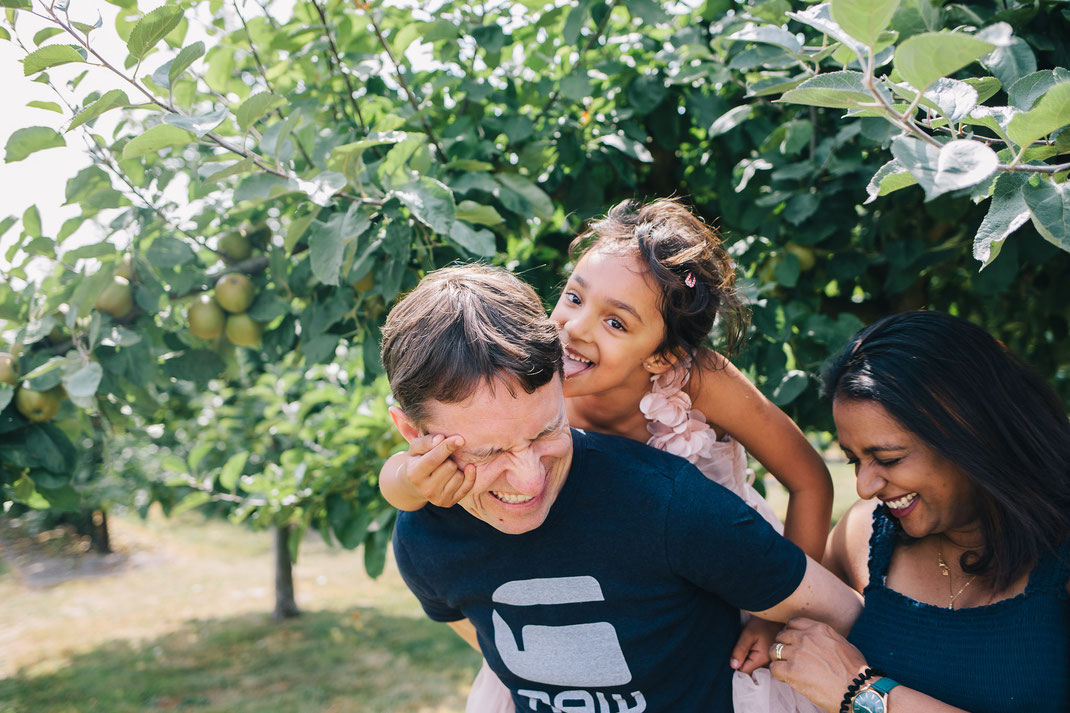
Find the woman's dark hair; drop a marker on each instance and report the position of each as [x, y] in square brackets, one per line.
[958, 389]
[688, 262]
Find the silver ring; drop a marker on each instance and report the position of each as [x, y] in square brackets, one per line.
[778, 651]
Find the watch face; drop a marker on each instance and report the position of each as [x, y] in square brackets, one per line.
[867, 702]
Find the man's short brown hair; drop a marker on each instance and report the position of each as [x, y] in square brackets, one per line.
[466, 326]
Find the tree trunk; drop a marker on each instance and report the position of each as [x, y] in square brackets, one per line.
[99, 539]
[285, 605]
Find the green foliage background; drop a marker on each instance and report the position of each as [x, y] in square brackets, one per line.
[359, 145]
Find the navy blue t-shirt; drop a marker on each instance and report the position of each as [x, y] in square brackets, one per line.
[626, 598]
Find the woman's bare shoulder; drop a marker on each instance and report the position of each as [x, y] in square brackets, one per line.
[847, 551]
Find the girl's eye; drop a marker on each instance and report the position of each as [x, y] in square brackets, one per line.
[572, 297]
[616, 324]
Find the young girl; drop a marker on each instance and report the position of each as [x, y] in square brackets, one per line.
[647, 287]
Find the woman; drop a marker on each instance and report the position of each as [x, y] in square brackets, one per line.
[961, 545]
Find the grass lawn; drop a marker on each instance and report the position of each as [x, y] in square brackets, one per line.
[182, 623]
[188, 628]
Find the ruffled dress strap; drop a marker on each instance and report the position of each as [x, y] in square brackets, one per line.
[881, 544]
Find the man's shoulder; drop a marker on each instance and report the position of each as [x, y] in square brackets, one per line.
[626, 454]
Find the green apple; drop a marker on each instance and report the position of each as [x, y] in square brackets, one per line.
[125, 268]
[234, 292]
[206, 319]
[117, 299]
[806, 255]
[39, 406]
[235, 246]
[8, 369]
[243, 330]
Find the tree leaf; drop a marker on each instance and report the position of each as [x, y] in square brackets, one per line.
[953, 98]
[477, 242]
[47, 106]
[431, 202]
[478, 213]
[158, 137]
[321, 188]
[628, 146]
[863, 20]
[29, 140]
[51, 56]
[1051, 112]
[152, 28]
[890, 177]
[1024, 93]
[957, 164]
[766, 34]
[199, 125]
[326, 247]
[729, 120]
[231, 471]
[183, 60]
[1011, 63]
[924, 58]
[838, 90]
[166, 251]
[112, 99]
[790, 387]
[7, 391]
[538, 200]
[1007, 212]
[986, 87]
[1049, 207]
[84, 382]
[244, 166]
[820, 18]
[255, 107]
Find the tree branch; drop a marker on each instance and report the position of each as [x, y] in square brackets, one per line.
[341, 66]
[401, 77]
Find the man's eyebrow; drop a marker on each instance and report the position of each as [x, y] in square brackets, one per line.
[624, 306]
[491, 452]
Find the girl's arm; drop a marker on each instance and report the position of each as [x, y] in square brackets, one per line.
[732, 404]
[425, 474]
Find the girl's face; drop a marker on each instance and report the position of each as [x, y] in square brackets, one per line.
[924, 490]
[610, 324]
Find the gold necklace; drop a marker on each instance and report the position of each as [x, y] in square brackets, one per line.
[946, 571]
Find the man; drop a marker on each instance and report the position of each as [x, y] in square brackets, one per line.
[593, 572]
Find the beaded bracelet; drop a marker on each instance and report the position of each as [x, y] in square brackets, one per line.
[855, 685]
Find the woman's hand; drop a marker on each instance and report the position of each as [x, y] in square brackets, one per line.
[816, 661]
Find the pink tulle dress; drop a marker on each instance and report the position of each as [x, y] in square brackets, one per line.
[679, 429]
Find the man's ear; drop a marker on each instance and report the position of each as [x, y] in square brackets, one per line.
[405, 425]
[659, 363]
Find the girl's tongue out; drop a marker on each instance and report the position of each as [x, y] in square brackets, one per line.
[575, 364]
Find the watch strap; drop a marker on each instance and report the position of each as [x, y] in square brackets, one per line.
[883, 685]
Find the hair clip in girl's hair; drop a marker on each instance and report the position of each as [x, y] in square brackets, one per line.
[689, 279]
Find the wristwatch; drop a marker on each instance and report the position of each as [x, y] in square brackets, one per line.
[874, 697]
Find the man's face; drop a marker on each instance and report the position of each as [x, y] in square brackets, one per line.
[521, 446]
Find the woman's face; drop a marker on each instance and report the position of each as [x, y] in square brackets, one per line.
[924, 490]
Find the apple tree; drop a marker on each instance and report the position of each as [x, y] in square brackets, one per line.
[266, 177]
